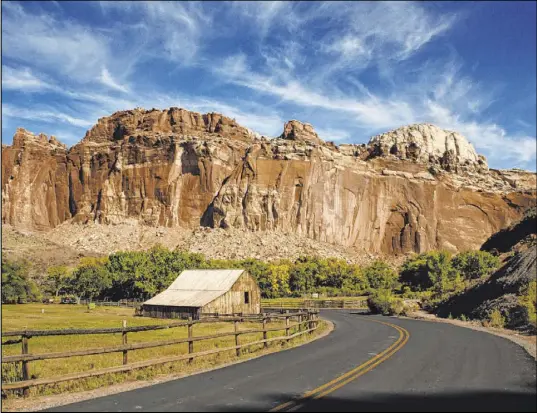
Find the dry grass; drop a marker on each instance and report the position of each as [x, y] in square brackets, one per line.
[17, 317]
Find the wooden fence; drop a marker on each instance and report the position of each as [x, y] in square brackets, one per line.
[306, 322]
[360, 303]
[121, 303]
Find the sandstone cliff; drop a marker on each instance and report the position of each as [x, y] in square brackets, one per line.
[413, 189]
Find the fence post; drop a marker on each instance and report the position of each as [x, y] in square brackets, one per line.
[124, 336]
[236, 325]
[287, 327]
[265, 330]
[25, 366]
[190, 342]
[299, 320]
[310, 321]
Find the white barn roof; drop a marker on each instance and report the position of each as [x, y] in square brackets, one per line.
[196, 288]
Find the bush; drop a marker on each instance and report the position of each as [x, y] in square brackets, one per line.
[496, 319]
[528, 300]
[474, 265]
[385, 303]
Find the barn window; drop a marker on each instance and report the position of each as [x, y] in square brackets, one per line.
[246, 297]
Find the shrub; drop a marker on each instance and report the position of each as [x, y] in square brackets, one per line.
[385, 303]
[463, 318]
[474, 265]
[496, 319]
[528, 300]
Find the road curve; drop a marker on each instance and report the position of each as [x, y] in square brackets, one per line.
[369, 363]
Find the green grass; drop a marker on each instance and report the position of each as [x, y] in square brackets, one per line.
[29, 316]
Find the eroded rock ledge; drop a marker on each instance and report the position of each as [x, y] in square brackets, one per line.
[412, 189]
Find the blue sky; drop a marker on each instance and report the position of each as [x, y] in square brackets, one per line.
[352, 70]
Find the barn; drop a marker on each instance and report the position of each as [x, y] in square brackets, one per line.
[197, 292]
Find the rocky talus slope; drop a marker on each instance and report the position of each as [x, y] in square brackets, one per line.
[409, 190]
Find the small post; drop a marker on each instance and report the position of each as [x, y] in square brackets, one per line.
[265, 330]
[190, 342]
[236, 325]
[124, 336]
[287, 327]
[25, 366]
[310, 322]
[299, 318]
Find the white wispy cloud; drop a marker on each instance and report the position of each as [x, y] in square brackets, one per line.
[107, 79]
[311, 60]
[22, 80]
[48, 116]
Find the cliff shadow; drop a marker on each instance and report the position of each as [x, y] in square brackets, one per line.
[472, 401]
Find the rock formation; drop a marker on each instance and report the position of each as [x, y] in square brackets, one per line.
[413, 189]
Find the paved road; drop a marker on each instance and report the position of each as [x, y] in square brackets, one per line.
[407, 366]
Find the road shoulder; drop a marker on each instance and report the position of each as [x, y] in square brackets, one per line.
[528, 342]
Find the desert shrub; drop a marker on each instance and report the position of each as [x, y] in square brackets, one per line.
[385, 303]
[496, 319]
[528, 300]
[474, 265]
[463, 318]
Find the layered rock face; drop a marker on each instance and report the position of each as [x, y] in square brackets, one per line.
[412, 189]
[35, 188]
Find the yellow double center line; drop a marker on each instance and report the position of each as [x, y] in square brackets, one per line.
[350, 375]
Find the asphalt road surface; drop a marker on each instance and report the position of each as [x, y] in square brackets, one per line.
[368, 363]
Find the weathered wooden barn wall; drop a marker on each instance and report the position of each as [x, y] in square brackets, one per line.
[233, 301]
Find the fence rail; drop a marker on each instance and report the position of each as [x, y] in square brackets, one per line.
[121, 303]
[306, 322]
[307, 303]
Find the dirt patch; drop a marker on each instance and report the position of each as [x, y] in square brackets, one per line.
[528, 342]
[47, 402]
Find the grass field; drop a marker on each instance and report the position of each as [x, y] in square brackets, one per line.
[56, 316]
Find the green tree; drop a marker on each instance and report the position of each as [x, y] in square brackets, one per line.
[16, 283]
[432, 271]
[57, 278]
[90, 279]
[380, 275]
[303, 275]
[474, 265]
[279, 280]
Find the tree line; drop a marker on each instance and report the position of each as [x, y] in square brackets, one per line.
[143, 274]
